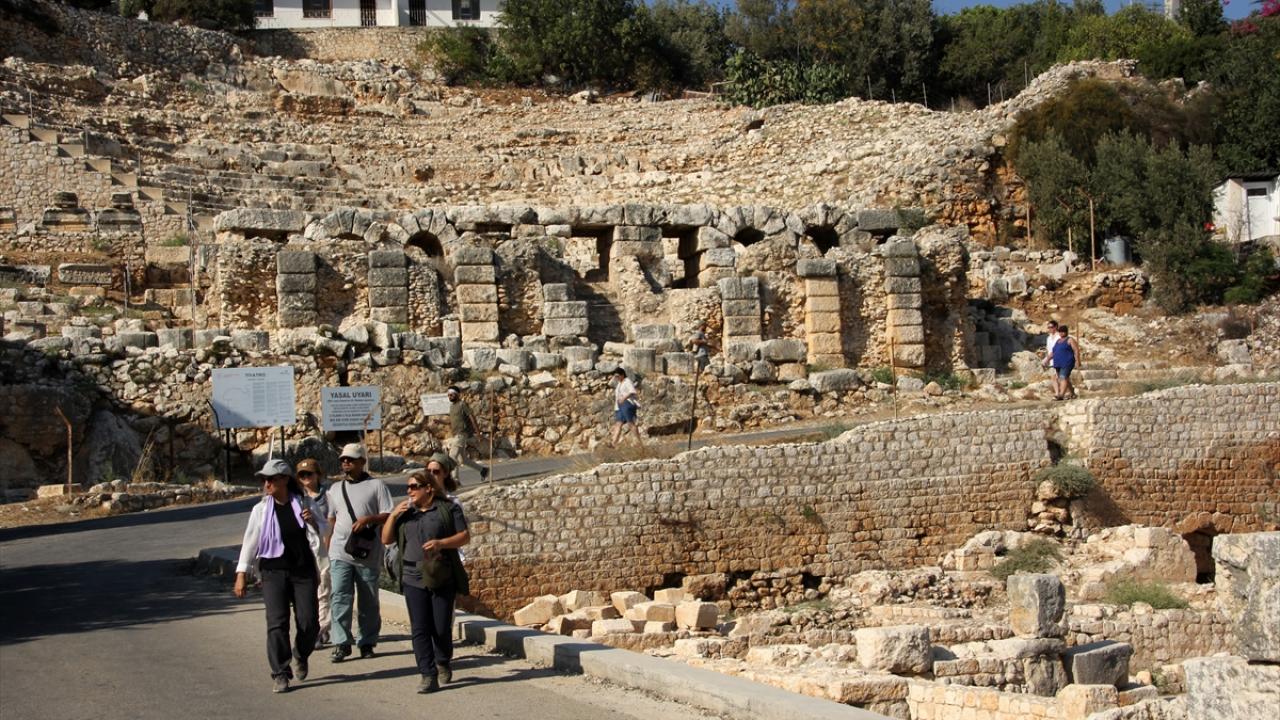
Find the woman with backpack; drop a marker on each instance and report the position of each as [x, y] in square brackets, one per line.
[282, 545]
[428, 529]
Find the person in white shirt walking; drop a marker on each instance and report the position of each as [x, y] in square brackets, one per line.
[626, 405]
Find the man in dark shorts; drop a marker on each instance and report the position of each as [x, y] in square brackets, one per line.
[626, 404]
[463, 425]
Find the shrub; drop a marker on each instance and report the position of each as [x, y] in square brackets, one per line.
[761, 83]
[1071, 481]
[947, 381]
[1034, 556]
[462, 55]
[224, 15]
[1156, 594]
[178, 240]
[1258, 278]
[883, 375]
[1187, 268]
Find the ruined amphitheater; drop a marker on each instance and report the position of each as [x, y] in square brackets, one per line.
[175, 201]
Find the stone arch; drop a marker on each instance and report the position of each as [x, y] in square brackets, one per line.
[748, 236]
[429, 279]
[427, 242]
[824, 237]
[1200, 541]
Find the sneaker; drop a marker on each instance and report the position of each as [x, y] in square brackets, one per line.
[280, 685]
[340, 653]
[446, 674]
[366, 652]
[428, 684]
[300, 669]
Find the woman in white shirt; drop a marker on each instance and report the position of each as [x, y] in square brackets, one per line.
[626, 404]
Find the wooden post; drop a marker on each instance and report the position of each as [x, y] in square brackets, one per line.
[70, 466]
[493, 430]
[693, 406]
[1093, 239]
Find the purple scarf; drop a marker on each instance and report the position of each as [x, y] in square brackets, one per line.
[270, 544]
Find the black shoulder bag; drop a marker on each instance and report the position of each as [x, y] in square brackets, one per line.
[362, 544]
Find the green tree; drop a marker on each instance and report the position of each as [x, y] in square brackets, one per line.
[1247, 90]
[1187, 268]
[577, 41]
[1057, 188]
[763, 28]
[692, 36]
[1202, 17]
[224, 15]
[1133, 32]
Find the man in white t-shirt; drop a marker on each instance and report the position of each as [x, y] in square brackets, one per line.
[1049, 342]
[626, 403]
[355, 579]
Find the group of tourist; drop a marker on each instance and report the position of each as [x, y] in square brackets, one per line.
[1062, 353]
[320, 550]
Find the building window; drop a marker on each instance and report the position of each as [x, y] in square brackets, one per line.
[466, 9]
[417, 12]
[264, 8]
[317, 8]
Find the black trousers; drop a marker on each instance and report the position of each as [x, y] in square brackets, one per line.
[431, 621]
[282, 589]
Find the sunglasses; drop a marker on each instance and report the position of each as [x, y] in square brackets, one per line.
[416, 486]
[306, 473]
[349, 460]
[436, 471]
[275, 478]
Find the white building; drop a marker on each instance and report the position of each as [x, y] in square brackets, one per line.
[296, 14]
[1247, 207]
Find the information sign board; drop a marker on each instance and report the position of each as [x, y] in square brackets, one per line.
[349, 408]
[435, 404]
[254, 397]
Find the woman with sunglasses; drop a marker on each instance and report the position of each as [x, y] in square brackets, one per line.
[429, 529]
[311, 478]
[282, 543]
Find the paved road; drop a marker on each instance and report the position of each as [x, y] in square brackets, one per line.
[103, 619]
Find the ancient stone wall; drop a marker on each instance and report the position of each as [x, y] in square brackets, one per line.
[1196, 458]
[1158, 637]
[388, 44]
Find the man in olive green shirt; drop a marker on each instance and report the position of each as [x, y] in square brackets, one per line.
[463, 425]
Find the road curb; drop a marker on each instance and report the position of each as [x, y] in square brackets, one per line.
[669, 679]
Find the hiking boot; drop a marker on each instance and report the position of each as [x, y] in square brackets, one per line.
[428, 684]
[446, 674]
[340, 653]
[366, 652]
[300, 669]
[280, 684]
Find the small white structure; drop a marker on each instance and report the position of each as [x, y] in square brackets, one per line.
[1247, 207]
[299, 14]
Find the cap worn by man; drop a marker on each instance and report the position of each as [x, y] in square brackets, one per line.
[273, 467]
[355, 451]
[309, 465]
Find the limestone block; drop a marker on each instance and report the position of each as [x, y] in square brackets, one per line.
[898, 649]
[642, 360]
[899, 247]
[908, 384]
[295, 261]
[908, 334]
[680, 363]
[569, 623]
[902, 285]
[822, 322]
[518, 357]
[475, 275]
[388, 277]
[823, 304]
[78, 332]
[902, 266]
[905, 301]
[293, 317]
[908, 356]
[741, 351]
[838, 380]
[538, 612]
[387, 259]
[242, 219]
[47, 491]
[394, 315]
[1247, 573]
[477, 294]
[1078, 702]
[390, 296]
[480, 332]
[741, 308]
[565, 310]
[637, 233]
[579, 354]
[205, 338]
[783, 350]
[711, 277]
[555, 292]
[600, 612]
[717, 258]
[1016, 283]
[480, 359]
[85, 274]
[1036, 605]
[735, 326]
[472, 255]
[879, 220]
[609, 627]
[658, 626]
[543, 379]
[825, 343]
[671, 596]
[122, 340]
[905, 317]
[1231, 688]
[178, 338]
[788, 372]
[1099, 663]
[710, 238]
[547, 361]
[296, 283]
[1044, 675]
[565, 327]
[631, 248]
[763, 372]
[816, 268]
[250, 340]
[624, 600]
[485, 312]
[695, 615]
[651, 611]
[653, 332]
[739, 288]
[822, 287]
[578, 599]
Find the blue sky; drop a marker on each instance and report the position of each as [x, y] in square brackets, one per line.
[1234, 9]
